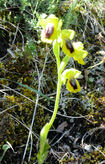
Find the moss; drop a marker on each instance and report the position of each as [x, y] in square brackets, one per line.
[88, 158]
[22, 108]
[7, 127]
[95, 157]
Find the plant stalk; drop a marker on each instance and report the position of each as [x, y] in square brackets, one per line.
[57, 100]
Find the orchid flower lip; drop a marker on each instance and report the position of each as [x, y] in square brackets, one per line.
[49, 30]
[73, 83]
[69, 46]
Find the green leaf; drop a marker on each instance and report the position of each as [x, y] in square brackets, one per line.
[56, 50]
[37, 92]
[5, 147]
[34, 90]
[44, 146]
[64, 63]
[42, 157]
[91, 79]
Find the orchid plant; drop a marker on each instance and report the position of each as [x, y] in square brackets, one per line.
[53, 34]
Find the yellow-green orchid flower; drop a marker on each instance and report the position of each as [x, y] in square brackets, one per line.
[71, 75]
[67, 34]
[51, 28]
[74, 49]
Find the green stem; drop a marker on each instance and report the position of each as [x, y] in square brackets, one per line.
[44, 146]
[60, 68]
[57, 100]
[58, 63]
